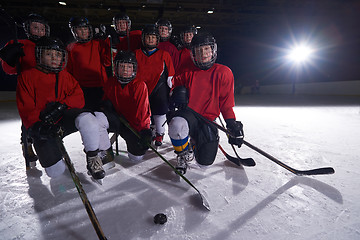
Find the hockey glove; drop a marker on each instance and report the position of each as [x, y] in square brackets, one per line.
[11, 53]
[101, 34]
[43, 131]
[53, 112]
[236, 128]
[179, 98]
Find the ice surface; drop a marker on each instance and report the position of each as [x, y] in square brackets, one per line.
[261, 202]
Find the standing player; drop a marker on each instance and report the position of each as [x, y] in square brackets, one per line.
[209, 90]
[18, 56]
[186, 62]
[125, 39]
[88, 58]
[165, 30]
[129, 98]
[49, 98]
[156, 69]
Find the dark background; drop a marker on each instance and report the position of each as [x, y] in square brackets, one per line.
[252, 35]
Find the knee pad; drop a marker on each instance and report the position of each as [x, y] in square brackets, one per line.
[86, 121]
[102, 120]
[178, 128]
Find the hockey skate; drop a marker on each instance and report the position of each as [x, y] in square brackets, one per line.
[183, 158]
[158, 139]
[107, 159]
[94, 166]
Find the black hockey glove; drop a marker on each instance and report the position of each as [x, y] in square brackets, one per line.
[146, 136]
[179, 98]
[53, 112]
[11, 53]
[102, 33]
[43, 131]
[236, 128]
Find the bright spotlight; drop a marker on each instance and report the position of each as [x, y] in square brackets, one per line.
[300, 54]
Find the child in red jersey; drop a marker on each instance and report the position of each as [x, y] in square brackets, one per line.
[185, 61]
[125, 40]
[19, 55]
[87, 61]
[208, 89]
[49, 98]
[156, 69]
[129, 98]
[165, 29]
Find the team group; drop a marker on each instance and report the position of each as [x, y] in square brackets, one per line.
[130, 83]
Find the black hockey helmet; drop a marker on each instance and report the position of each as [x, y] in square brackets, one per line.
[166, 23]
[118, 17]
[125, 57]
[189, 29]
[199, 40]
[50, 43]
[33, 17]
[150, 29]
[78, 22]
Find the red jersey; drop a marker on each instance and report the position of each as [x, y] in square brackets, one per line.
[134, 41]
[132, 101]
[35, 89]
[172, 50]
[185, 62]
[26, 62]
[87, 62]
[150, 68]
[210, 91]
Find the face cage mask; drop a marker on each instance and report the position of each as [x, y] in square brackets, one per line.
[164, 39]
[205, 65]
[182, 38]
[122, 33]
[39, 53]
[150, 46]
[35, 37]
[124, 80]
[80, 40]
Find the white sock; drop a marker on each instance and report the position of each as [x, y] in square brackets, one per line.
[135, 158]
[56, 170]
[159, 121]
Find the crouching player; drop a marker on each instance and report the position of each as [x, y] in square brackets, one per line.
[127, 96]
[49, 98]
[208, 89]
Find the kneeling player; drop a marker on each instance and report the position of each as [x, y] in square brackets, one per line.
[49, 99]
[208, 89]
[128, 97]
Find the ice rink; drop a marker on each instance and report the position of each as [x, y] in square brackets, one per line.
[261, 202]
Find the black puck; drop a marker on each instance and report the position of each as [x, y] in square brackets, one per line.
[160, 218]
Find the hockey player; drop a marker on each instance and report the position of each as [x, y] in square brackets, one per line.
[125, 39]
[208, 89]
[49, 98]
[165, 30]
[129, 98]
[88, 59]
[18, 56]
[185, 61]
[156, 69]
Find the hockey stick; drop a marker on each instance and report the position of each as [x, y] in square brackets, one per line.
[83, 196]
[249, 162]
[205, 203]
[317, 171]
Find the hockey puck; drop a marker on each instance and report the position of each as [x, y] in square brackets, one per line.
[160, 218]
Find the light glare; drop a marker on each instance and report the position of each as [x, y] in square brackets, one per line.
[300, 54]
